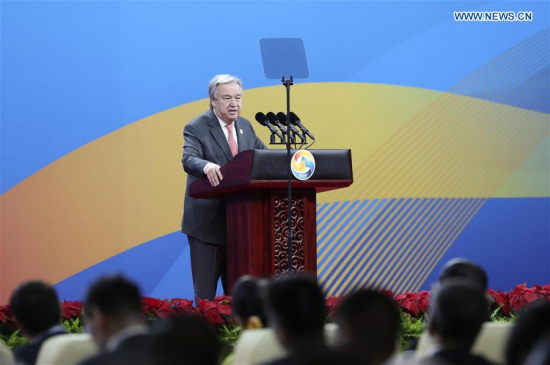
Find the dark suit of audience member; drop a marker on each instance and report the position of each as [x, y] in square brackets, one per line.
[296, 311]
[114, 316]
[185, 340]
[540, 355]
[529, 329]
[210, 141]
[134, 349]
[36, 309]
[368, 324]
[458, 310]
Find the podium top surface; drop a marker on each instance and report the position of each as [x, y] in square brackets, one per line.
[267, 169]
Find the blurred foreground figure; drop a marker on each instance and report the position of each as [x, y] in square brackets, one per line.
[247, 302]
[368, 324]
[458, 310]
[185, 340]
[114, 316]
[296, 311]
[37, 312]
[530, 328]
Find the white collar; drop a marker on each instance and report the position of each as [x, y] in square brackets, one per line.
[223, 124]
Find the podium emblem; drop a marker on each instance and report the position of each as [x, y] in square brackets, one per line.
[302, 164]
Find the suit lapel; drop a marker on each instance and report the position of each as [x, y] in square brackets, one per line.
[219, 136]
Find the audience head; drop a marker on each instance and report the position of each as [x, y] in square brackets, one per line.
[458, 310]
[296, 309]
[112, 304]
[247, 302]
[35, 307]
[185, 340]
[530, 327]
[464, 269]
[369, 322]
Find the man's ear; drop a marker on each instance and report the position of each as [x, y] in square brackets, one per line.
[254, 322]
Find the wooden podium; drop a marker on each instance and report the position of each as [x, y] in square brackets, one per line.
[254, 186]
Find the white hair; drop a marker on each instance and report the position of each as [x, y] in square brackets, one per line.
[220, 80]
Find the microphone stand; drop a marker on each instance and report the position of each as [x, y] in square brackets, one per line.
[287, 83]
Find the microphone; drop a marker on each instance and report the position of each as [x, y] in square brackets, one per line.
[282, 118]
[296, 121]
[274, 120]
[263, 120]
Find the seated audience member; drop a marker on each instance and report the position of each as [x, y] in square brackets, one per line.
[460, 268]
[464, 269]
[296, 311]
[114, 316]
[368, 323]
[184, 340]
[247, 306]
[247, 303]
[37, 312]
[458, 310]
[530, 328]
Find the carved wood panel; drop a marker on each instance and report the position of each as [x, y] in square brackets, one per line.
[280, 228]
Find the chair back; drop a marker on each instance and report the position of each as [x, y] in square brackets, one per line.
[67, 349]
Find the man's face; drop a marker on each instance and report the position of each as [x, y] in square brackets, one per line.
[97, 324]
[228, 104]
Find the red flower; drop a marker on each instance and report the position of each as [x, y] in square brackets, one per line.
[223, 303]
[414, 303]
[387, 292]
[543, 291]
[223, 299]
[5, 314]
[332, 304]
[502, 300]
[157, 307]
[209, 311]
[182, 306]
[71, 309]
[423, 300]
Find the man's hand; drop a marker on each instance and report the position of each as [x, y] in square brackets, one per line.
[213, 173]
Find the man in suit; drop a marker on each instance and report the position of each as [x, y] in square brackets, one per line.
[296, 311]
[211, 140]
[37, 312]
[185, 340]
[368, 323]
[115, 319]
[458, 310]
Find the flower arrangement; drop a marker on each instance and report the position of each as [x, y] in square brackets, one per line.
[414, 305]
[515, 301]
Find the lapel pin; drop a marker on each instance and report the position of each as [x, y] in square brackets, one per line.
[240, 130]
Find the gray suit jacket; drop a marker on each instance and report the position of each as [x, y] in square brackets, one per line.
[205, 142]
